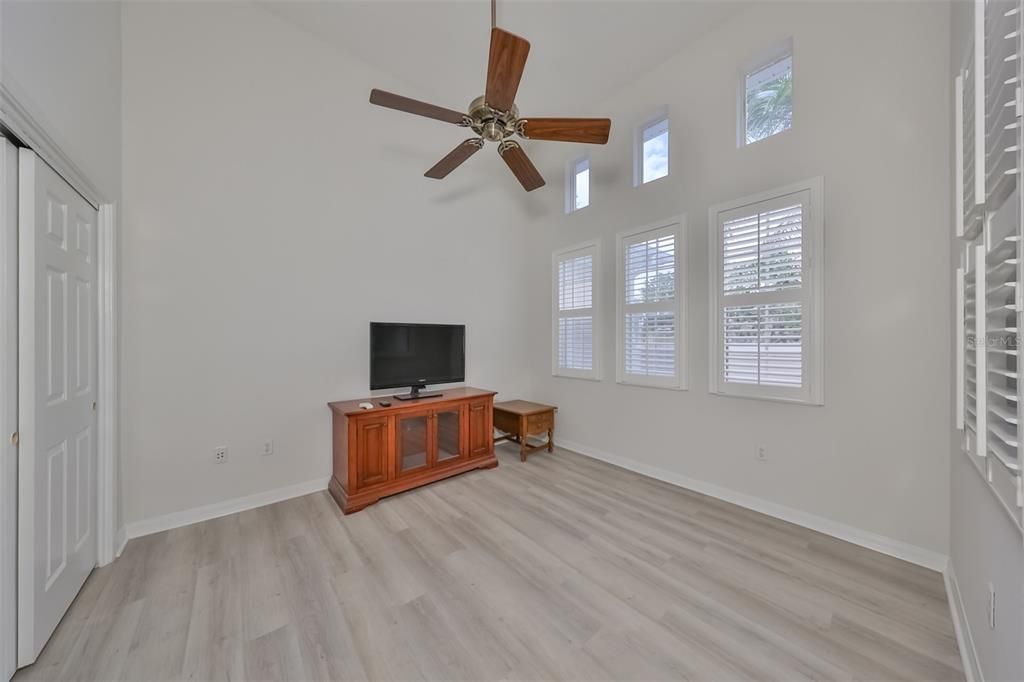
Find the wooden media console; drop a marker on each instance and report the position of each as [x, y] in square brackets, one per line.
[387, 450]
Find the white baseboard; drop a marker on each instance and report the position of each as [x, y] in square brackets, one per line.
[120, 540]
[213, 511]
[962, 627]
[879, 543]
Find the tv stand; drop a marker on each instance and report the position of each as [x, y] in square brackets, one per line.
[386, 450]
[414, 394]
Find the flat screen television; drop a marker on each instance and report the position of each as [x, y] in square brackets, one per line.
[415, 355]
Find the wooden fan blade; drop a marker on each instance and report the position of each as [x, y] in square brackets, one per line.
[521, 166]
[455, 158]
[589, 130]
[505, 68]
[412, 106]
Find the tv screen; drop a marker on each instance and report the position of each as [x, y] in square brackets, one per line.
[416, 354]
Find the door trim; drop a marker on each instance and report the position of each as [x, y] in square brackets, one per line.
[8, 404]
[107, 392]
[20, 121]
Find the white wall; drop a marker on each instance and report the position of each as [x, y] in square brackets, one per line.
[871, 115]
[62, 60]
[985, 542]
[270, 213]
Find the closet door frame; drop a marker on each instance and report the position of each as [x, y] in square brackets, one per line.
[23, 128]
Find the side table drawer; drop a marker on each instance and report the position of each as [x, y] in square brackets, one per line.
[540, 423]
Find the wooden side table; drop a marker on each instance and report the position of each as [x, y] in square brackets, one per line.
[518, 419]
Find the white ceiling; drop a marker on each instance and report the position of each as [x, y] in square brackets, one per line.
[582, 50]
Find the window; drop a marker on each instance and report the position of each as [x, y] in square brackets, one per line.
[767, 101]
[651, 285]
[578, 185]
[766, 295]
[989, 220]
[574, 307]
[651, 154]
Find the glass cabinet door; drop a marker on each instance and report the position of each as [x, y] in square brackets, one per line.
[411, 445]
[449, 435]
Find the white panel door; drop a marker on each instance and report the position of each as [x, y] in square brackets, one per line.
[57, 392]
[8, 406]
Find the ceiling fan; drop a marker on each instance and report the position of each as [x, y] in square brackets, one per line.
[494, 116]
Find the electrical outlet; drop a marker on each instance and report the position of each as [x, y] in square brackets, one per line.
[268, 448]
[220, 455]
[762, 453]
[992, 606]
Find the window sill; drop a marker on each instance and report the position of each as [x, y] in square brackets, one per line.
[574, 376]
[769, 398]
[662, 387]
[776, 136]
[655, 181]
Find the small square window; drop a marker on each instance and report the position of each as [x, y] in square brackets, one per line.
[768, 99]
[578, 186]
[652, 151]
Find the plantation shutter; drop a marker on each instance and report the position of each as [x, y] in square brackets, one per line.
[574, 308]
[968, 346]
[762, 301]
[649, 281]
[970, 156]
[988, 91]
[1002, 105]
[973, 149]
[1002, 45]
[1000, 350]
[763, 344]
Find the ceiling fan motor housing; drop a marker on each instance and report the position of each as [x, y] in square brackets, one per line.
[491, 124]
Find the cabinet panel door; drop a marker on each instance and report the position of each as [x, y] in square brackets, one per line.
[449, 435]
[414, 438]
[371, 451]
[481, 432]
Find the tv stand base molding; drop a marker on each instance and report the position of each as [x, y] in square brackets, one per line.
[359, 501]
[387, 450]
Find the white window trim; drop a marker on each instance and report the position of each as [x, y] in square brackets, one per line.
[958, 153]
[764, 58]
[677, 227]
[812, 298]
[570, 184]
[594, 374]
[638, 148]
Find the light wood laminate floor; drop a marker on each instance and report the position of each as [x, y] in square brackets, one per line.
[559, 568]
